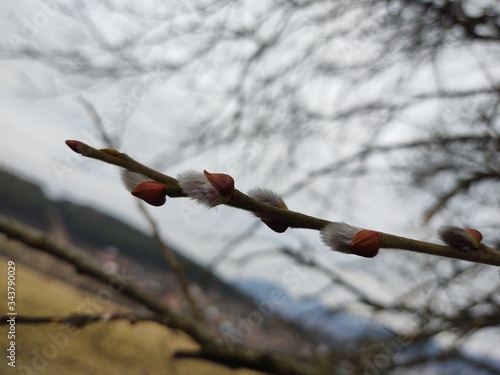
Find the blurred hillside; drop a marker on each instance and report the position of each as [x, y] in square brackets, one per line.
[90, 229]
[303, 328]
[103, 348]
[81, 225]
[122, 248]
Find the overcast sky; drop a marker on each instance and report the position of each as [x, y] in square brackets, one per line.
[38, 112]
[34, 128]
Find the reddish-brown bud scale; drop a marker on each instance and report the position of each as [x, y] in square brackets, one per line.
[76, 146]
[223, 183]
[475, 233]
[366, 243]
[270, 198]
[461, 238]
[151, 192]
[276, 225]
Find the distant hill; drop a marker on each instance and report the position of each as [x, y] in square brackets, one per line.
[24, 201]
[311, 314]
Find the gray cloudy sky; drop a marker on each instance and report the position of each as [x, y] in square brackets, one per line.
[38, 112]
[34, 128]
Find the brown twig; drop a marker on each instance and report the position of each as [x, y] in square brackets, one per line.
[485, 254]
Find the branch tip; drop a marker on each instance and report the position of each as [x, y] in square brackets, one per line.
[76, 146]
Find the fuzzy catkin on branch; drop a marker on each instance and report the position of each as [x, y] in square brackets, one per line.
[484, 254]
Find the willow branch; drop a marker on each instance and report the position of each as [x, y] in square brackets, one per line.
[485, 254]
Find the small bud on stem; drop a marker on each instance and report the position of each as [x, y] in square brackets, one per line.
[209, 189]
[151, 192]
[366, 243]
[348, 239]
[460, 238]
[271, 198]
[132, 179]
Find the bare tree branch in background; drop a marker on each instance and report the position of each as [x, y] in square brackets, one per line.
[346, 93]
[213, 347]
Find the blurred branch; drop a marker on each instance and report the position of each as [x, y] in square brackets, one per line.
[216, 350]
[174, 266]
[452, 354]
[453, 13]
[85, 265]
[96, 119]
[293, 219]
[461, 185]
[343, 163]
[334, 277]
[231, 246]
[167, 252]
[81, 320]
[264, 362]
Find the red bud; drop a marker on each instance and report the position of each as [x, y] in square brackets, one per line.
[461, 238]
[475, 233]
[274, 224]
[223, 183]
[76, 146]
[151, 192]
[365, 243]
